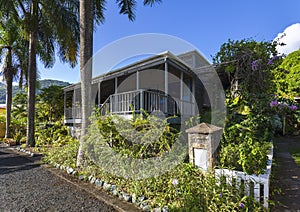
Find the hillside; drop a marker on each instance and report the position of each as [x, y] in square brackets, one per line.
[41, 84]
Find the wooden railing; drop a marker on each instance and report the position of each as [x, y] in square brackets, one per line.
[73, 113]
[136, 101]
[148, 100]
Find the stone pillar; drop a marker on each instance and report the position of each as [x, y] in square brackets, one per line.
[204, 140]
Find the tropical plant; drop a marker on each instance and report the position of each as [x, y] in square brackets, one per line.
[53, 135]
[13, 50]
[287, 76]
[50, 106]
[287, 111]
[91, 10]
[247, 65]
[139, 137]
[248, 69]
[45, 30]
[184, 188]
[19, 117]
[63, 152]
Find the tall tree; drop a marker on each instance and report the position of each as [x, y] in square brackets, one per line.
[13, 50]
[50, 106]
[91, 10]
[287, 76]
[247, 65]
[48, 23]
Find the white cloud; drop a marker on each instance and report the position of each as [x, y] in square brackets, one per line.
[291, 37]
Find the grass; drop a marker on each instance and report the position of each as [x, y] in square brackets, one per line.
[296, 155]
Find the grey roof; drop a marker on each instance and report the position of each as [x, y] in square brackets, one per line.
[140, 65]
[204, 128]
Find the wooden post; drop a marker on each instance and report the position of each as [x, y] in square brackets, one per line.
[266, 194]
[256, 191]
[166, 86]
[115, 98]
[193, 96]
[65, 103]
[116, 85]
[141, 101]
[111, 104]
[74, 106]
[99, 94]
[181, 93]
[137, 80]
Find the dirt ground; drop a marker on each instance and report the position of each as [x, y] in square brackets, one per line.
[285, 185]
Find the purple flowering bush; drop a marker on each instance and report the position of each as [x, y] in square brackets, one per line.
[287, 110]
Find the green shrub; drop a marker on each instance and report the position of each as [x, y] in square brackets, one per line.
[140, 137]
[184, 188]
[64, 155]
[55, 134]
[247, 156]
[2, 118]
[19, 117]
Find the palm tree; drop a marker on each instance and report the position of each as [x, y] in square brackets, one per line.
[91, 10]
[13, 51]
[48, 23]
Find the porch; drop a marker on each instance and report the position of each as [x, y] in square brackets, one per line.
[160, 83]
[137, 102]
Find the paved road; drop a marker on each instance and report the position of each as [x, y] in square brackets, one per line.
[26, 186]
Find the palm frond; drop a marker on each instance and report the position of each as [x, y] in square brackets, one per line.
[12, 44]
[151, 2]
[8, 9]
[99, 8]
[62, 29]
[127, 7]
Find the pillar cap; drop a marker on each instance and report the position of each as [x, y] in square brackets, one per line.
[204, 128]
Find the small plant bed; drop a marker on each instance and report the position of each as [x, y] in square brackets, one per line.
[184, 188]
[296, 155]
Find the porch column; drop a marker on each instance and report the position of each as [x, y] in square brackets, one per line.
[114, 100]
[65, 102]
[116, 85]
[181, 93]
[141, 105]
[74, 105]
[99, 94]
[166, 86]
[166, 78]
[193, 97]
[137, 80]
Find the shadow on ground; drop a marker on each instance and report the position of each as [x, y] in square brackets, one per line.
[285, 185]
[12, 163]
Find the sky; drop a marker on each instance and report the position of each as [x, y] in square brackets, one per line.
[204, 24]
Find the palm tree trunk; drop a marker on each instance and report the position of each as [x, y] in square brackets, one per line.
[32, 74]
[9, 79]
[86, 52]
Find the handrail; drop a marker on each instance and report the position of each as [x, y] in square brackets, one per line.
[147, 100]
[138, 100]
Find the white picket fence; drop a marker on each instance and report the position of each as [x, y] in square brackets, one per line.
[257, 186]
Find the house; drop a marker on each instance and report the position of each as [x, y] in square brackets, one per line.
[163, 82]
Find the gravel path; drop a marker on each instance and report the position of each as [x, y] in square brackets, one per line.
[26, 186]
